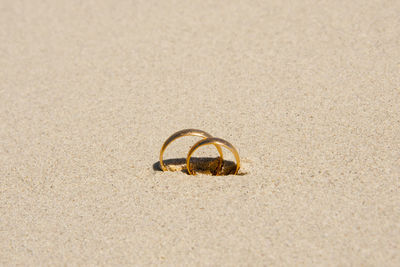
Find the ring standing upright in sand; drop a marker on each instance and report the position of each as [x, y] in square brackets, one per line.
[208, 139]
[182, 133]
[213, 141]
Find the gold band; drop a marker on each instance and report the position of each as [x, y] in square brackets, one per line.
[216, 142]
[182, 133]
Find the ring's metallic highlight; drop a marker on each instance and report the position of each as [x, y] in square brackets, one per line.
[182, 133]
[213, 141]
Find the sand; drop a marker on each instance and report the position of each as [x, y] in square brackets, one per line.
[307, 91]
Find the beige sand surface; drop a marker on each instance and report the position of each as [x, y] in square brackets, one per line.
[308, 91]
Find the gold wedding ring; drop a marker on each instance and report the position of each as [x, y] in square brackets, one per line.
[216, 142]
[182, 133]
[208, 139]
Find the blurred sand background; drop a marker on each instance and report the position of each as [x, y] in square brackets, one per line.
[308, 91]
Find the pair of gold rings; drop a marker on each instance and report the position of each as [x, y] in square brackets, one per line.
[208, 139]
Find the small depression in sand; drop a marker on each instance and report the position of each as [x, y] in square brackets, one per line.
[200, 165]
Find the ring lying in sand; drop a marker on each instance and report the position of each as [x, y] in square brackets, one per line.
[213, 141]
[182, 133]
[207, 140]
